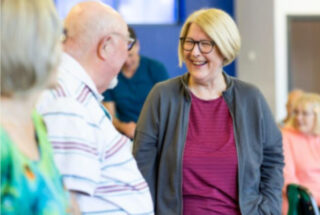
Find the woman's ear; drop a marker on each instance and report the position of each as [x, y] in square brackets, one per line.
[104, 47]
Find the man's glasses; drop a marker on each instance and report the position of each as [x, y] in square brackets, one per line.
[205, 46]
[131, 43]
[64, 35]
[130, 40]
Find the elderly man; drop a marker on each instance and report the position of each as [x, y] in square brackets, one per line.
[93, 157]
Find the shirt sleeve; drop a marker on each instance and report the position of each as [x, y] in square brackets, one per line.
[289, 168]
[288, 171]
[108, 96]
[145, 147]
[73, 140]
[271, 183]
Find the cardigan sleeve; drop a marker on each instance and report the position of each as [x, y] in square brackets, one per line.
[145, 147]
[272, 163]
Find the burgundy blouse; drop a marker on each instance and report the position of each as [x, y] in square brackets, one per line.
[210, 164]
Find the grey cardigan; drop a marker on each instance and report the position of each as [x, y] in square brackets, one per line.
[161, 134]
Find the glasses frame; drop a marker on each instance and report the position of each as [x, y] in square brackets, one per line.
[131, 41]
[198, 42]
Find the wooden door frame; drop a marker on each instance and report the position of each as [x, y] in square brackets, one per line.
[290, 19]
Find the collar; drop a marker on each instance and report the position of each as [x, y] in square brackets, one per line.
[227, 93]
[73, 67]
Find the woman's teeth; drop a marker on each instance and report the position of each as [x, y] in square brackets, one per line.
[198, 63]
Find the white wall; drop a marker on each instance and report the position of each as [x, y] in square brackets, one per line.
[263, 58]
[256, 61]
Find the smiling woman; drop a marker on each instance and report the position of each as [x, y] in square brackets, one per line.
[204, 141]
[301, 143]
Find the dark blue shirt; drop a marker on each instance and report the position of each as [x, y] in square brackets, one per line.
[130, 93]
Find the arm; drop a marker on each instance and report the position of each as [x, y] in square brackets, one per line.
[126, 128]
[288, 171]
[73, 137]
[111, 106]
[272, 164]
[75, 210]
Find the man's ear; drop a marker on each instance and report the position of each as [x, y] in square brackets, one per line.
[104, 47]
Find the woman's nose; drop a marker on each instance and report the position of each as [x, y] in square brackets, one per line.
[196, 50]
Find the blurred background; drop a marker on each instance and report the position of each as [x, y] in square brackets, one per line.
[280, 39]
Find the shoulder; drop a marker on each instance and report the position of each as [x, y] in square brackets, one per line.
[248, 99]
[48, 104]
[244, 88]
[69, 94]
[164, 92]
[291, 134]
[5, 143]
[168, 86]
[247, 94]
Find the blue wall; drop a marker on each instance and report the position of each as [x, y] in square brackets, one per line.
[161, 41]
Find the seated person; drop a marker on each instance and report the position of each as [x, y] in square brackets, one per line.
[301, 143]
[137, 77]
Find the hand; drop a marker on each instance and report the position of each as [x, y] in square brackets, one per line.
[75, 209]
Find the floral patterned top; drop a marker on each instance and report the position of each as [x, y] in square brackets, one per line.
[28, 186]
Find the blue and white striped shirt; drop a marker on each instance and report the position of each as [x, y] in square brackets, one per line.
[94, 159]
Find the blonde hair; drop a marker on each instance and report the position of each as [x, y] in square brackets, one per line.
[292, 98]
[308, 100]
[220, 27]
[30, 48]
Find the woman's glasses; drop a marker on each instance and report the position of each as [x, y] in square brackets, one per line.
[205, 46]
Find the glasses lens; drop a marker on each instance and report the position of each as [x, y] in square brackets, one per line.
[131, 43]
[205, 46]
[64, 35]
[188, 44]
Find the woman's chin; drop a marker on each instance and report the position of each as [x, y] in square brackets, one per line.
[305, 131]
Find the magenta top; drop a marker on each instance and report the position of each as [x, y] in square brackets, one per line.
[210, 164]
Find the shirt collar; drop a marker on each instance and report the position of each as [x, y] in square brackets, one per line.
[73, 67]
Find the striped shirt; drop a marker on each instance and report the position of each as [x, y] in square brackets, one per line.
[94, 159]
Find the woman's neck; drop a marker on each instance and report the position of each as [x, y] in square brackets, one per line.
[209, 89]
[17, 108]
[16, 119]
